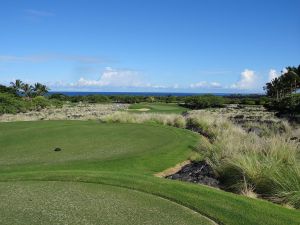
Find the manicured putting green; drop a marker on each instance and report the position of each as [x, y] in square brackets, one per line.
[157, 108]
[81, 203]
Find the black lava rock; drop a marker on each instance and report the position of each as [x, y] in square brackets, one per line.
[197, 172]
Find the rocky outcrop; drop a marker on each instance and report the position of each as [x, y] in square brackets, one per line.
[196, 172]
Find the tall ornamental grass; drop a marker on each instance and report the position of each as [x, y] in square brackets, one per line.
[164, 119]
[268, 166]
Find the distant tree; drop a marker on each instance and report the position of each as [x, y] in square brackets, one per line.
[170, 99]
[4, 89]
[284, 85]
[27, 90]
[150, 99]
[17, 86]
[40, 89]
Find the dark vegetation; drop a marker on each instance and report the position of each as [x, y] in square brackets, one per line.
[22, 97]
[195, 102]
[283, 92]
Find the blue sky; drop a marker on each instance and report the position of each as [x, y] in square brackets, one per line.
[150, 45]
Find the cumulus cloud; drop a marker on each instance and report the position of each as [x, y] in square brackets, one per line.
[113, 78]
[248, 80]
[273, 74]
[284, 70]
[205, 84]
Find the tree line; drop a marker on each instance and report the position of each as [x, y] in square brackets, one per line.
[284, 85]
[283, 92]
[23, 97]
[23, 89]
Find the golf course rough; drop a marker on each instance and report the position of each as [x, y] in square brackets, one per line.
[104, 174]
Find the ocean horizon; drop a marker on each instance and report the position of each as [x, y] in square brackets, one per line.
[78, 93]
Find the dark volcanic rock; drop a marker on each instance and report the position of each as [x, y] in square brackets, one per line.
[196, 172]
[255, 130]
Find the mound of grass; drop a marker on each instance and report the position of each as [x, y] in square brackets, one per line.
[117, 155]
[157, 108]
[158, 118]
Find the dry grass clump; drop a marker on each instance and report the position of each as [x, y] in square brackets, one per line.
[249, 164]
[164, 119]
[78, 111]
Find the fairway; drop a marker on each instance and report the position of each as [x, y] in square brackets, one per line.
[33, 143]
[104, 174]
[157, 108]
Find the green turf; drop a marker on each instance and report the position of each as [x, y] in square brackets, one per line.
[111, 156]
[157, 108]
[80, 203]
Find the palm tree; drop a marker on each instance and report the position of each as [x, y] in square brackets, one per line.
[40, 89]
[17, 86]
[27, 90]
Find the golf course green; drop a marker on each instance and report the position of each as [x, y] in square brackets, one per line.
[157, 108]
[103, 173]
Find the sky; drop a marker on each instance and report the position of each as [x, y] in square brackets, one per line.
[199, 46]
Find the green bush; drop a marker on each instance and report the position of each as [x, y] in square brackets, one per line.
[289, 104]
[11, 104]
[205, 101]
[96, 99]
[40, 102]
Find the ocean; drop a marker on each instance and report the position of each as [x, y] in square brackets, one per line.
[139, 93]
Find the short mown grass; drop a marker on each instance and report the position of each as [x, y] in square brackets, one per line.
[117, 159]
[157, 108]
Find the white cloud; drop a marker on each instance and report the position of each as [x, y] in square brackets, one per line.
[113, 78]
[273, 74]
[205, 84]
[120, 78]
[176, 86]
[284, 70]
[248, 80]
[215, 84]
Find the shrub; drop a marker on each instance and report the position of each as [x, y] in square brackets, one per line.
[289, 104]
[40, 102]
[205, 101]
[11, 104]
[14, 104]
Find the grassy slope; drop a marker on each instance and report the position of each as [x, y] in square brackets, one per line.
[142, 151]
[158, 108]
